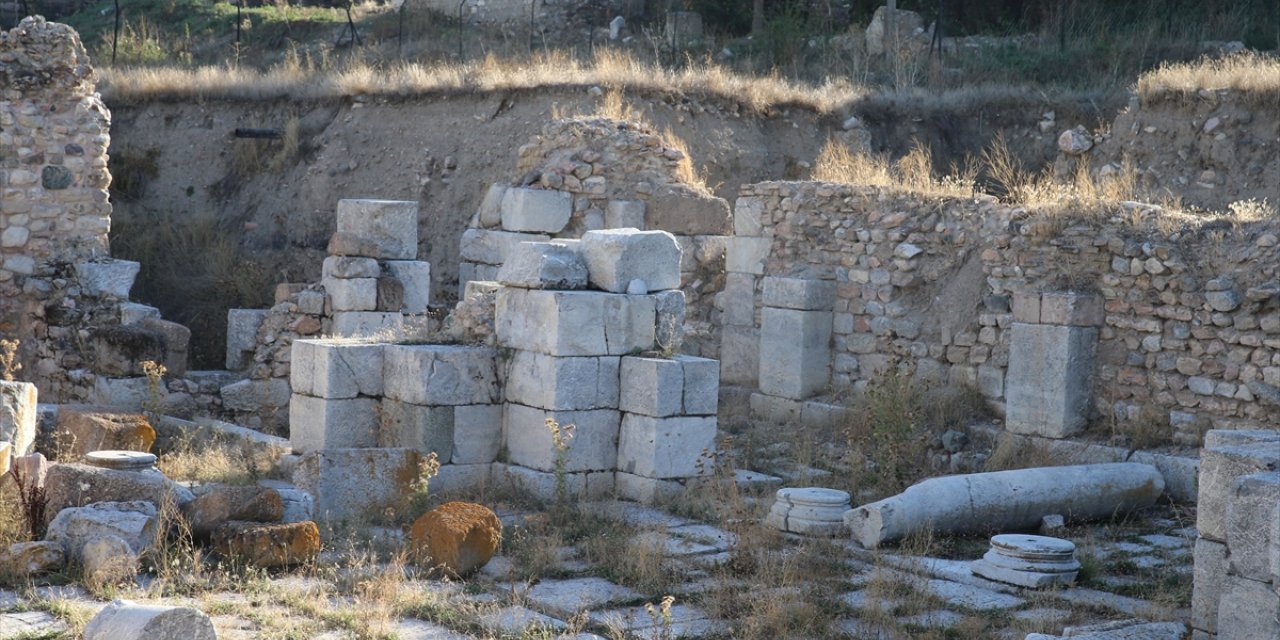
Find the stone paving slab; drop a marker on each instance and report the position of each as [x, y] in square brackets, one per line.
[411, 629]
[675, 546]
[863, 630]
[862, 600]
[936, 619]
[567, 597]
[27, 624]
[636, 515]
[685, 621]
[971, 597]
[516, 620]
[706, 534]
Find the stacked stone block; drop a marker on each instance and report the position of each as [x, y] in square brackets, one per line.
[1236, 593]
[1051, 362]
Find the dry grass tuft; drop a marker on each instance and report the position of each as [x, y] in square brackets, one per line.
[302, 79]
[913, 172]
[1256, 75]
[210, 459]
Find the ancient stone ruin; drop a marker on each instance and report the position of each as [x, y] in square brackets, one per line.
[616, 328]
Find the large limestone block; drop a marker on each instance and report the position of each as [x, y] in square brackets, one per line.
[681, 385]
[242, 336]
[108, 560]
[412, 426]
[477, 434]
[594, 446]
[263, 544]
[384, 325]
[388, 229]
[544, 265]
[1220, 467]
[1007, 500]
[574, 323]
[415, 276]
[687, 213]
[488, 247]
[1251, 515]
[74, 485]
[221, 504]
[456, 537]
[354, 294]
[1049, 388]
[32, 558]
[133, 522]
[356, 483]
[107, 277]
[652, 386]
[740, 355]
[747, 214]
[121, 350]
[669, 307]
[335, 369]
[252, 396]
[795, 352]
[562, 383]
[1248, 610]
[175, 339]
[536, 210]
[439, 375]
[127, 620]
[1210, 578]
[799, 293]
[85, 428]
[676, 447]
[18, 403]
[747, 255]
[624, 214]
[349, 267]
[616, 257]
[324, 423]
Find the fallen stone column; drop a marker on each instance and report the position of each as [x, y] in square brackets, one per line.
[126, 620]
[1006, 500]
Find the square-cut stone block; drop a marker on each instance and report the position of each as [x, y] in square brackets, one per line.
[1251, 516]
[701, 385]
[593, 447]
[624, 214]
[477, 433]
[539, 210]
[492, 247]
[562, 383]
[388, 228]
[616, 257]
[322, 423]
[747, 214]
[1220, 468]
[1248, 610]
[469, 272]
[544, 265]
[740, 355]
[368, 324]
[652, 386]
[1049, 389]
[645, 490]
[332, 369]
[669, 324]
[677, 447]
[746, 254]
[242, 336]
[574, 323]
[412, 426]
[799, 293]
[347, 267]
[107, 277]
[593, 485]
[133, 313]
[440, 375]
[737, 301]
[252, 396]
[460, 477]
[1071, 308]
[1026, 307]
[795, 352]
[350, 484]
[354, 294]
[1210, 576]
[415, 275]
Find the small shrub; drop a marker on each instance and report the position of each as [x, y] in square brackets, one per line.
[9, 364]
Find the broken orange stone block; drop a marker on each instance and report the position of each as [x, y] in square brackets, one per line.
[268, 545]
[85, 428]
[457, 537]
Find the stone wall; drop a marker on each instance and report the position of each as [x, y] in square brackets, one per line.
[1189, 331]
[553, 20]
[53, 153]
[585, 174]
